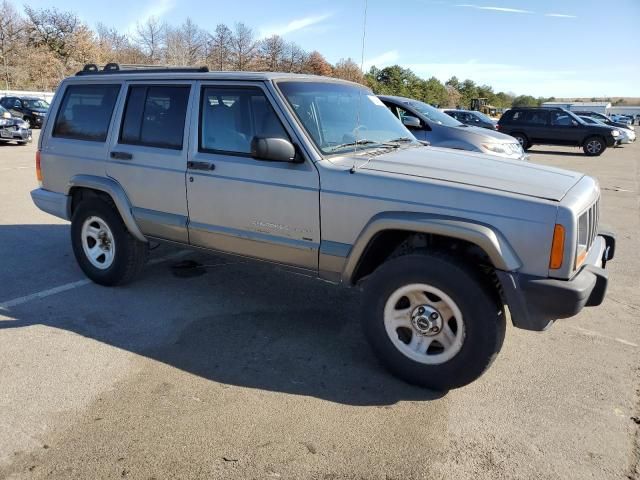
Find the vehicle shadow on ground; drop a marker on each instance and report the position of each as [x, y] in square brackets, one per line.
[577, 153]
[230, 321]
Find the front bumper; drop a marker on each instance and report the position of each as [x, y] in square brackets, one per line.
[14, 133]
[536, 302]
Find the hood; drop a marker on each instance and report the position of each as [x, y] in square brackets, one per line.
[470, 168]
[41, 110]
[488, 135]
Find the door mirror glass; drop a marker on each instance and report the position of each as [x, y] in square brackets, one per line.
[411, 122]
[273, 150]
[574, 123]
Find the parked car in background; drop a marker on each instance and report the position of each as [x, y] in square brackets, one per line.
[32, 110]
[441, 130]
[626, 134]
[621, 119]
[472, 118]
[13, 129]
[556, 126]
[602, 117]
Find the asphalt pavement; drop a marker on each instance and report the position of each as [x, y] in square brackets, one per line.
[239, 371]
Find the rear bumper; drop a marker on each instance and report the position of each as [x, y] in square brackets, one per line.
[536, 302]
[54, 203]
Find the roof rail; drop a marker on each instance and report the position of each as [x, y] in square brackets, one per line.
[114, 68]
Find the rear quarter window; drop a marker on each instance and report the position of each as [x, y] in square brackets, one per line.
[85, 112]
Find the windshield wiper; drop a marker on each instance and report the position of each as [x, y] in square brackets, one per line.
[399, 140]
[363, 141]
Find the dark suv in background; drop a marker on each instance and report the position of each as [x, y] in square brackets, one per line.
[32, 110]
[556, 126]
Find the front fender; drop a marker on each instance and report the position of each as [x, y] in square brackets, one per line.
[491, 241]
[117, 194]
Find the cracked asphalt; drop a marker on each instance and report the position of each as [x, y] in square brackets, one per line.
[244, 371]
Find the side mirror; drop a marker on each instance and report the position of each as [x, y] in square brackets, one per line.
[411, 122]
[273, 150]
[574, 123]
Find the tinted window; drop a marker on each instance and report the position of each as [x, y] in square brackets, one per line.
[154, 116]
[536, 117]
[85, 112]
[231, 117]
[561, 119]
[434, 114]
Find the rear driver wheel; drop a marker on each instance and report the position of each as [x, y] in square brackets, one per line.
[105, 250]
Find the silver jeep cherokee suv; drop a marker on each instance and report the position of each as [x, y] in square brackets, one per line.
[316, 174]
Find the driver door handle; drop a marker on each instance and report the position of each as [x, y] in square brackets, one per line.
[200, 166]
[121, 155]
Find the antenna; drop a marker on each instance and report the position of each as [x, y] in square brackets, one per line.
[364, 35]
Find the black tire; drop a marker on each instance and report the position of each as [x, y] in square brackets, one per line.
[475, 296]
[130, 253]
[522, 140]
[594, 146]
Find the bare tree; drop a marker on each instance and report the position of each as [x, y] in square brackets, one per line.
[151, 38]
[243, 48]
[11, 35]
[185, 45]
[63, 34]
[272, 50]
[294, 58]
[219, 48]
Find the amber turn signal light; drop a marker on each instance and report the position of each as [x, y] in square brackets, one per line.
[557, 247]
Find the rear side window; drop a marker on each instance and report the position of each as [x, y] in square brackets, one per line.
[85, 112]
[154, 116]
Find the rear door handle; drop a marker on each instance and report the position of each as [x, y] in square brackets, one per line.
[200, 166]
[121, 155]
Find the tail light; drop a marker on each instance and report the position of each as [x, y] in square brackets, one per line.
[38, 168]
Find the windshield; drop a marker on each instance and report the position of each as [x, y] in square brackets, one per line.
[35, 103]
[483, 117]
[434, 115]
[340, 117]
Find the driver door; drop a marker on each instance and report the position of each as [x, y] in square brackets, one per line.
[240, 205]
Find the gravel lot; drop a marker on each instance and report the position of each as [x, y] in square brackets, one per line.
[249, 372]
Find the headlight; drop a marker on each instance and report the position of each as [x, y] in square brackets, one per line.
[615, 133]
[502, 148]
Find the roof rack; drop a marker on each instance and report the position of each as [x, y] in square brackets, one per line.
[114, 68]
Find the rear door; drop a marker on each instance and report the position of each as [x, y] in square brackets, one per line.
[240, 205]
[537, 125]
[148, 155]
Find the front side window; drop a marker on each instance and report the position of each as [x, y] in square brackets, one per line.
[154, 116]
[561, 119]
[231, 117]
[337, 116]
[85, 112]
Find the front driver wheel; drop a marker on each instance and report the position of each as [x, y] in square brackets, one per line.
[432, 320]
[522, 140]
[594, 146]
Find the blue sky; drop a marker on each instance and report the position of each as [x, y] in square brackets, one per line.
[537, 47]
